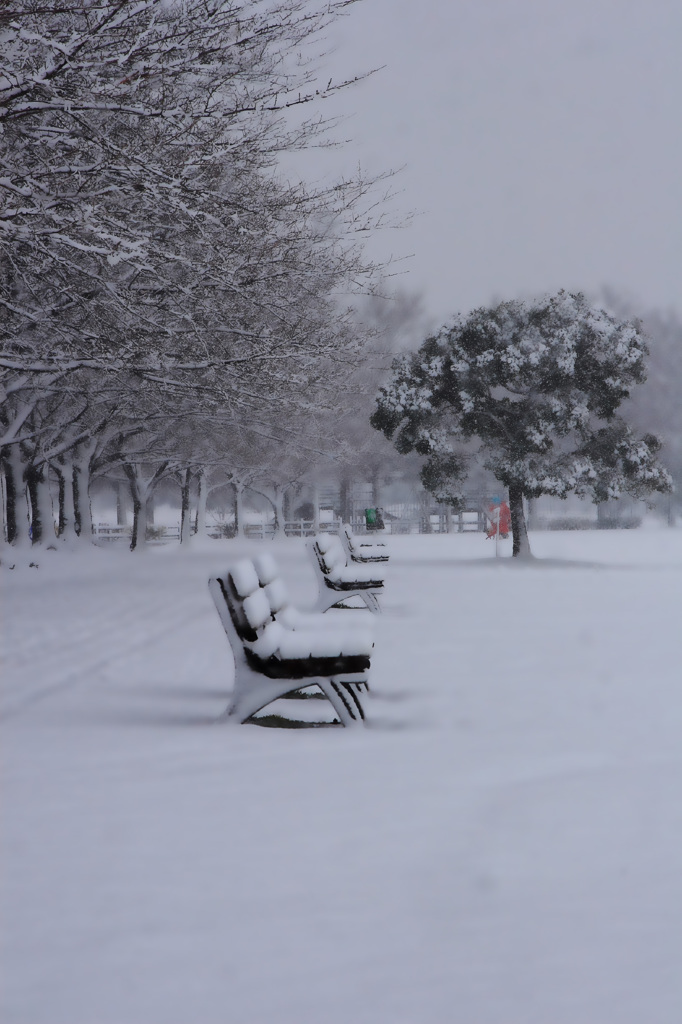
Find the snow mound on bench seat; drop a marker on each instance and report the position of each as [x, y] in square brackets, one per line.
[277, 641]
[356, 573]
[335, 618]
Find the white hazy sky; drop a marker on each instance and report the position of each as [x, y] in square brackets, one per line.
[541, 142]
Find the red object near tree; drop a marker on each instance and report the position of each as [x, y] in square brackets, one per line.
[499, 514]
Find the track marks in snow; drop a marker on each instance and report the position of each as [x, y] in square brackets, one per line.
[69, 648]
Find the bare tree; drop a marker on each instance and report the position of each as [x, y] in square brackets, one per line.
[144, 235]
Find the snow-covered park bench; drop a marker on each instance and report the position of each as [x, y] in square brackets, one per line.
[339, 580]
[278, 650]
[360, 550]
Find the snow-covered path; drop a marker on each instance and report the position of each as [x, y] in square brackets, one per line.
[501, 845]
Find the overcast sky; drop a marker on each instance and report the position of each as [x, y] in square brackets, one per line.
[541, 142]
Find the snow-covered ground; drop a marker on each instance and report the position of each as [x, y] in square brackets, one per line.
[502, 844]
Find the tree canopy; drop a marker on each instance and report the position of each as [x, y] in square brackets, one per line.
[140, 223]
[153, 262]
[532, 390]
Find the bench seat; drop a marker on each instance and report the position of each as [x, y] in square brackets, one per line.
[308, 667]
[275, 640]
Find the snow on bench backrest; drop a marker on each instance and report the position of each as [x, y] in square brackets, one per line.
[266, 568]
[257, 609]
[260, 590]
[362, 550]
[331, 550]
[271, 581]
[360, 542]
[235, 606]
[277, 596]
[245, 577]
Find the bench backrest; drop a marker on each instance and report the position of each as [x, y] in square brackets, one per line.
[330, 553]
[235, 606]
[271, 582]
[362, 549]
[254, 593]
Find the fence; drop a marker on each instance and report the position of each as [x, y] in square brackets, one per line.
[403, 520]
[292, 528]
[414, 519]
[155, 534]
[262, 531]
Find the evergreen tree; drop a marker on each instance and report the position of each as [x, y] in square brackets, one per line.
[532, 389]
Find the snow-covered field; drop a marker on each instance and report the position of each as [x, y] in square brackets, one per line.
[502, 844]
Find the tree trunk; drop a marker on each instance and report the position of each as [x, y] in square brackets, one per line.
[239, 523]
[121, 518]
[42, 516]
[316, 509]
[9, 502]
[141, 489]
[202, 498]
[61, 512]
[185, 519]
[135, 541]
[288, 502]
[82, 508]
[67, 504]
[17, 507]
[138, 494]
[278, 506]
[70, 486]
[521, 545]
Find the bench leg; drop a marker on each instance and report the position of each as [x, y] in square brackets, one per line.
[329, 598]
[252, 692]
[344, 699]
[371, 600]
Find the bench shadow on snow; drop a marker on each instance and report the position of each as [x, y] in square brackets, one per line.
[164, 705]
[273, 721]
[152, 715]
[155, 717]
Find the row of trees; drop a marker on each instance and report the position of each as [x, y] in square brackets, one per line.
[168, 303]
